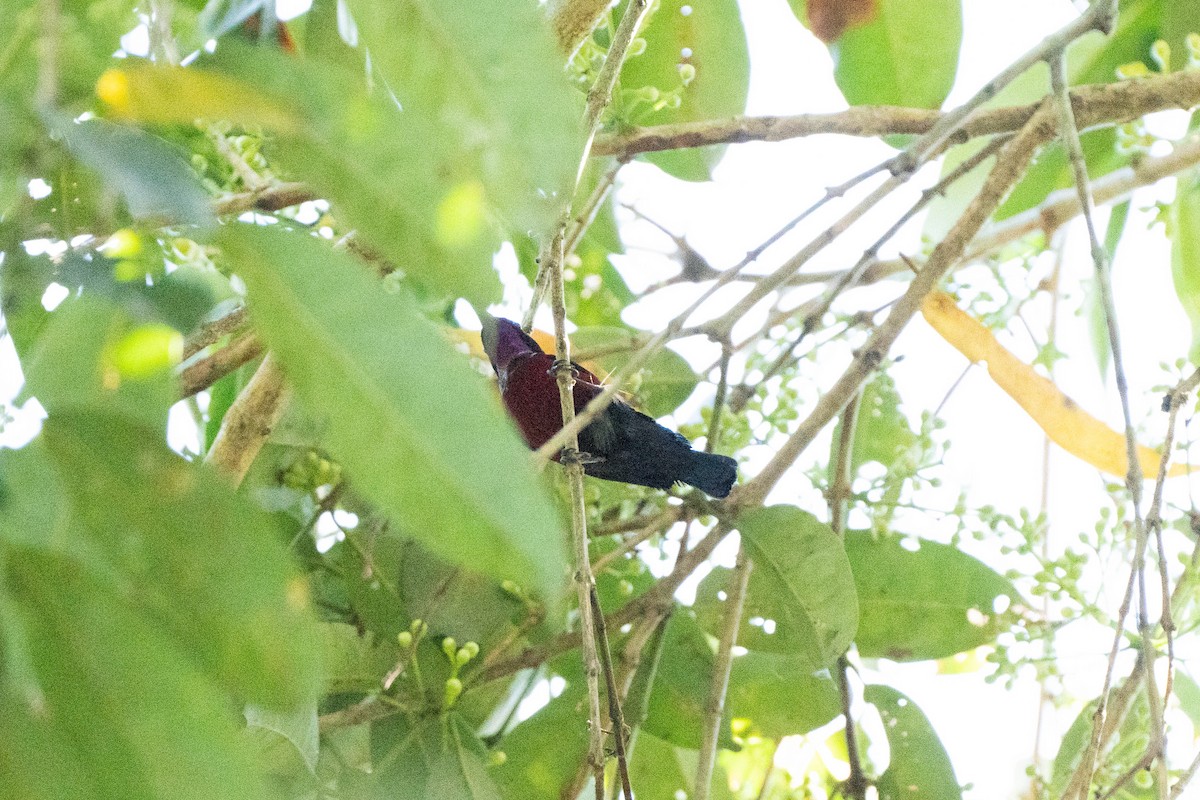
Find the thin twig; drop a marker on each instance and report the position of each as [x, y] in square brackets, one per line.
[564, 371]
[213, 332]
[714, 710]
[614, 696]
[1133, 480]
[1010, 165]
[565, 375]
[207, 371]
[838, 498]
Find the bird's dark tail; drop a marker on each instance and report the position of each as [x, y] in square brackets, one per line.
[712, 474]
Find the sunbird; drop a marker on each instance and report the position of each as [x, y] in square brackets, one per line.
[622, 444]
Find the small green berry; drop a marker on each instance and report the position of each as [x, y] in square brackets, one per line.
[454, 688]
[449, 647]
[405, 639]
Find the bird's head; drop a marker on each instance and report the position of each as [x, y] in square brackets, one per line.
[503, 340]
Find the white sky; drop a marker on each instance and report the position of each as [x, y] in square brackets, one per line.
[997, 450]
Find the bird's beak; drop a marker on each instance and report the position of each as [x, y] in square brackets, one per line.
[488, 334]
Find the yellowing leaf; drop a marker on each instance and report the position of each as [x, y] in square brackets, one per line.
[174, 94]
[146, 350]
[1067, 425]
[460, 216]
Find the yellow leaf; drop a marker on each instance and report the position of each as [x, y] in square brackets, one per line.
[460, 215]
[1067, 425]
[157, 95]
[145, 351]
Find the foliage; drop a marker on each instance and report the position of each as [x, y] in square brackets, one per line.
[379, 604]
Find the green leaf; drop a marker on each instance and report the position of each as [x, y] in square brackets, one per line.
[33, 509]
[658, 770]
[778, 696]
[37, 760]
[711, 34]
[881, 432]
[661, 385]
[71, 365]
[461, 773]
[544, 752]
[423, 208]
[354, 662]
[415, 425]
[676, 712]
[141, 722]
[298, 726]
[906, 56]
[1185, 254]
[1097, 325]
[485, 82]
[207, 566]
[786, 610]
[909, 609]
[1187, 693]
[1071, 748]
[919, 767]
[156, 182]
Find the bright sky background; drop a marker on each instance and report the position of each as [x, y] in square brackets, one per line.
[988, 730]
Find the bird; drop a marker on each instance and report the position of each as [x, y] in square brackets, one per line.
[621, 444]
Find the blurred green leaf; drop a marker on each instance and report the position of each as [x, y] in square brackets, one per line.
[141, 722]
[1187, 693]
[662, 384]
[298, 726]
[919, 767]
[597, 293]
[679, 696]
[485, 83]
[439, 758]
[1097, 325]
[323, 39]
[906, 56]
[70, 366]
[786, 611]
[151, 175]
[779, 696]
[414, 424]
[544, 752]
[199, 559]
[1071, 748]
[423, 208]
[659, 770]
[708, 37]
[910, 608]
[37, 759]
[1185, 253]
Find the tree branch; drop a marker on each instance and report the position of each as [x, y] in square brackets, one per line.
[249, 421]
[1010, 166]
